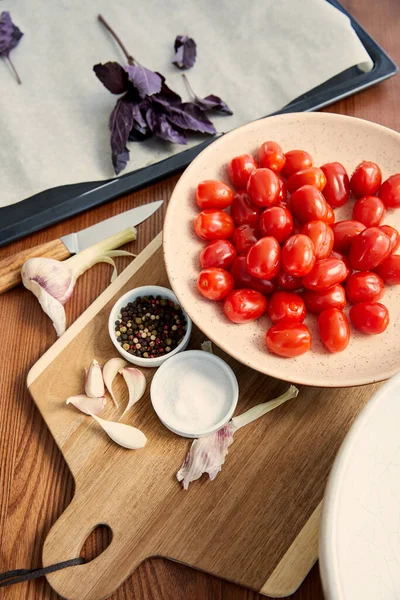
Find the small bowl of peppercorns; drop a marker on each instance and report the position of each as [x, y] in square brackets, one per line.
[147, 326]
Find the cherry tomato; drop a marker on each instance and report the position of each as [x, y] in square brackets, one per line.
[288, 340]
[369, 249]
[282, 196]
[288, 282]
[213, 225]
[213, 194]
[334, 329]
[244, 237]
[389, 270]
[263, 260]
[276, 221]
[345, 259]
[243, 279]
[369, 210]
[271, 156]
[393, 235]
[240, 169]
[311, 176]
[321, 236]
[364, 286]
[298, 255]
[242, 306]
[215, 283]
[330, 215]
[308, 204]
[337, 188]
[263, 187]
[286, 307]
[219, 253]
[389, 191]
[333, 297]
[243, 212]
[344, 232]
[369, 317]
[366, 179]
[326, 273]
[296, 160]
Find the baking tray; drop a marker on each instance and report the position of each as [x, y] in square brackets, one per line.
[56, 204]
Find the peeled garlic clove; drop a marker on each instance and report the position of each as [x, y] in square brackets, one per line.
[110, 371]
[136, 382]
[87, 405]
[123, 435]
[94, 384]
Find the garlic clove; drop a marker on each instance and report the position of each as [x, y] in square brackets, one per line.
[51, 306]
[110, 371]
[123, 435]
[94, 384]
[136, 382]
[87, 405]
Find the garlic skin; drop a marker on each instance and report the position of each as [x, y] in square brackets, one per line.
[110, 371]
[87, 405]
[94, 384]
[123, 435]
[136, 382]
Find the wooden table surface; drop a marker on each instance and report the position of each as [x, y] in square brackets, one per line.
[35, 484]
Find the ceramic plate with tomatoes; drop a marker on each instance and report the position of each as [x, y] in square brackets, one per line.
[281, 243]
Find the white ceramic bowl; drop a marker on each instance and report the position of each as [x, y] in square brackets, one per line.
[164, 385]
[146, 290]
[360, 527]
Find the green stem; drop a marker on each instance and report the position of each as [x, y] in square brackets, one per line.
[130, 58]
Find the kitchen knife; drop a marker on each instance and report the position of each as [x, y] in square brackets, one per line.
[10, 267]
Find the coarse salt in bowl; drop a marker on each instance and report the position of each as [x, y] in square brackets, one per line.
[194, 394]
[146, 290]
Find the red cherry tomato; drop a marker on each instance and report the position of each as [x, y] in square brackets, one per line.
[242, 306]
[369, 317]
[214, 283]
[330, 215]
[276, 221]
[244, 237]
[288, 282]
[263, 260]
[240, 169]
[282, 196]
[393, 235]
[213, 225]
[263, 187]
[286, 307]
[219, 253]
[344, 232]
[298, 255]
[311, 176]
[213, 194]
[271, 156]
[308, 204]
[243, 212]
[296, 160]
[337, 188]
[288, 340]
[326, 273]
[389, 191]
[366, 179]
[340, 256]
[333, 297]
[369, 249]
[369, 210]
[321, 236]
[243, 279]
[364, 286]
[334, 329]
[389, 270]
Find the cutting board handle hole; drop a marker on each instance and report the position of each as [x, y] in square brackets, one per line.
[96, 542]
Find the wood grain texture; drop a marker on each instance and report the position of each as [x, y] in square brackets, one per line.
[10, 266]
[36, 485]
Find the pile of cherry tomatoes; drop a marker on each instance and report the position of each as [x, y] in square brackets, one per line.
[279, 250]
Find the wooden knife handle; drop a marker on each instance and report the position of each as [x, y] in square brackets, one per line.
[10, 267]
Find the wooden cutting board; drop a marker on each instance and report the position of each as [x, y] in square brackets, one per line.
[256, 524]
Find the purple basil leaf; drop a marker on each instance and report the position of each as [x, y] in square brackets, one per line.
[112, 76]
[160, 126]
[169, 96]
[145, 81]
[212, 102]
[121, 123]
[189, 116]
[185, 52]
[9, 34]
[139, 134]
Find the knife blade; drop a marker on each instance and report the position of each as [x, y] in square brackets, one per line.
[10, 267]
